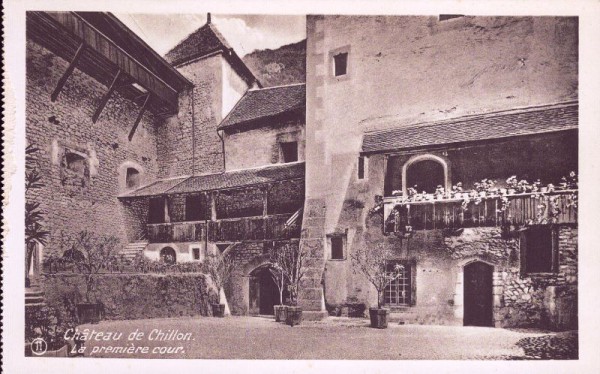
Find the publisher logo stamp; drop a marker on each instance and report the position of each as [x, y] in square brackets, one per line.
[39, 346]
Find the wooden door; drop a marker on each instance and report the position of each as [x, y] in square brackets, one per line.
[478, 294]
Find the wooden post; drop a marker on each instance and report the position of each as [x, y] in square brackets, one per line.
[139, 117]
[265, 198]
[106, 96]
[68, 72]
[213, 206]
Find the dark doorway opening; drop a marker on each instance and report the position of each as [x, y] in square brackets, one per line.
[264, 294]
[168, 256]
[478, 294]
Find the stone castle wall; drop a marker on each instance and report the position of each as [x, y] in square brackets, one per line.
[86, 200]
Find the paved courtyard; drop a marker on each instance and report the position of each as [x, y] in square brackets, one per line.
[334, 338]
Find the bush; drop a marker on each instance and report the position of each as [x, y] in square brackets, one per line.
[47, 323]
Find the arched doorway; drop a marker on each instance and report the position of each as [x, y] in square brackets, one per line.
[478, 298]
[263, 292]
[168, 256]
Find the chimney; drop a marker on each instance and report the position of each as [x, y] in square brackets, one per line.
[208, 18]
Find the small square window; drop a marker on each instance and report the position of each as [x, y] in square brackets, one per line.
[337, 248]
[75, 162]
[196, 253]
[289, 152]
[340, 64]
[361, 167]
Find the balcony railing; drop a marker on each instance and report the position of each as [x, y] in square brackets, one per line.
[522, 209]
[271, 227]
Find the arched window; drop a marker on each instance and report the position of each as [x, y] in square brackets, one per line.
[132, 179]
[427, 172]
[168, 256]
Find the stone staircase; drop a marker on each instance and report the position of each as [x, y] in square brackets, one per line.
[131, 250]
[34, 296]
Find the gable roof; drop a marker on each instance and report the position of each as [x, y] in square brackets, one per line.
[527, 121]
[203, 42]
[219, 181]
[265, 103]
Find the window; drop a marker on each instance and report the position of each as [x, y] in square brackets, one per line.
[337, 246]
[400, 291]
[198, 252]
[361, 167]
[156, 210]
[426, 172]
[289, 151]
[195, 207]
[340, 64]
[75, 162]
[132, 179]
[539, 250]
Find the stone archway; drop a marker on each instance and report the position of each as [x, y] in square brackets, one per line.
[168, 255]
[263, 293]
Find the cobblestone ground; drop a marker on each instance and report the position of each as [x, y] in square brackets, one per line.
[562, 346]
[334, 338]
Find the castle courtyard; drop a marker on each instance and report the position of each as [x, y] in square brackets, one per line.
[333, 338]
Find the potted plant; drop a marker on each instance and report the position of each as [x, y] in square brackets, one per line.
[34, 216]
[373, 263]
[91, 254]
[279, 278]
[220, 267]
[511, 185]
[291, 258]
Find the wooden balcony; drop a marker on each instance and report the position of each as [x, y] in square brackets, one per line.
[272, 227]
[522, 209]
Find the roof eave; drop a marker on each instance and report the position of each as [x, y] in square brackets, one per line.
[460, 143]
[254, 123]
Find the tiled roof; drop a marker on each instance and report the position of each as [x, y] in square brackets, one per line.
[204, 41]
[207, 39]
[227, 180]
[266, 102]
[158, 187]
[519, 122]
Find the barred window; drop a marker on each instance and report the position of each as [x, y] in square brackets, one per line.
[400, 291]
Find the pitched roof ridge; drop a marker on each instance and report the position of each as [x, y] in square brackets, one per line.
[477, 116]
[185, 38]
[280, 86]
[218, 34]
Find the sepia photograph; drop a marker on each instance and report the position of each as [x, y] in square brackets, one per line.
[321, 186]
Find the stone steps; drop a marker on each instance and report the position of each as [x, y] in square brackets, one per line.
[131, 250]
[34, 297]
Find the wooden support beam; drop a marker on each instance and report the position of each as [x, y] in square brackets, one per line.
[106, 96]
[68, 72]
[139, 117]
